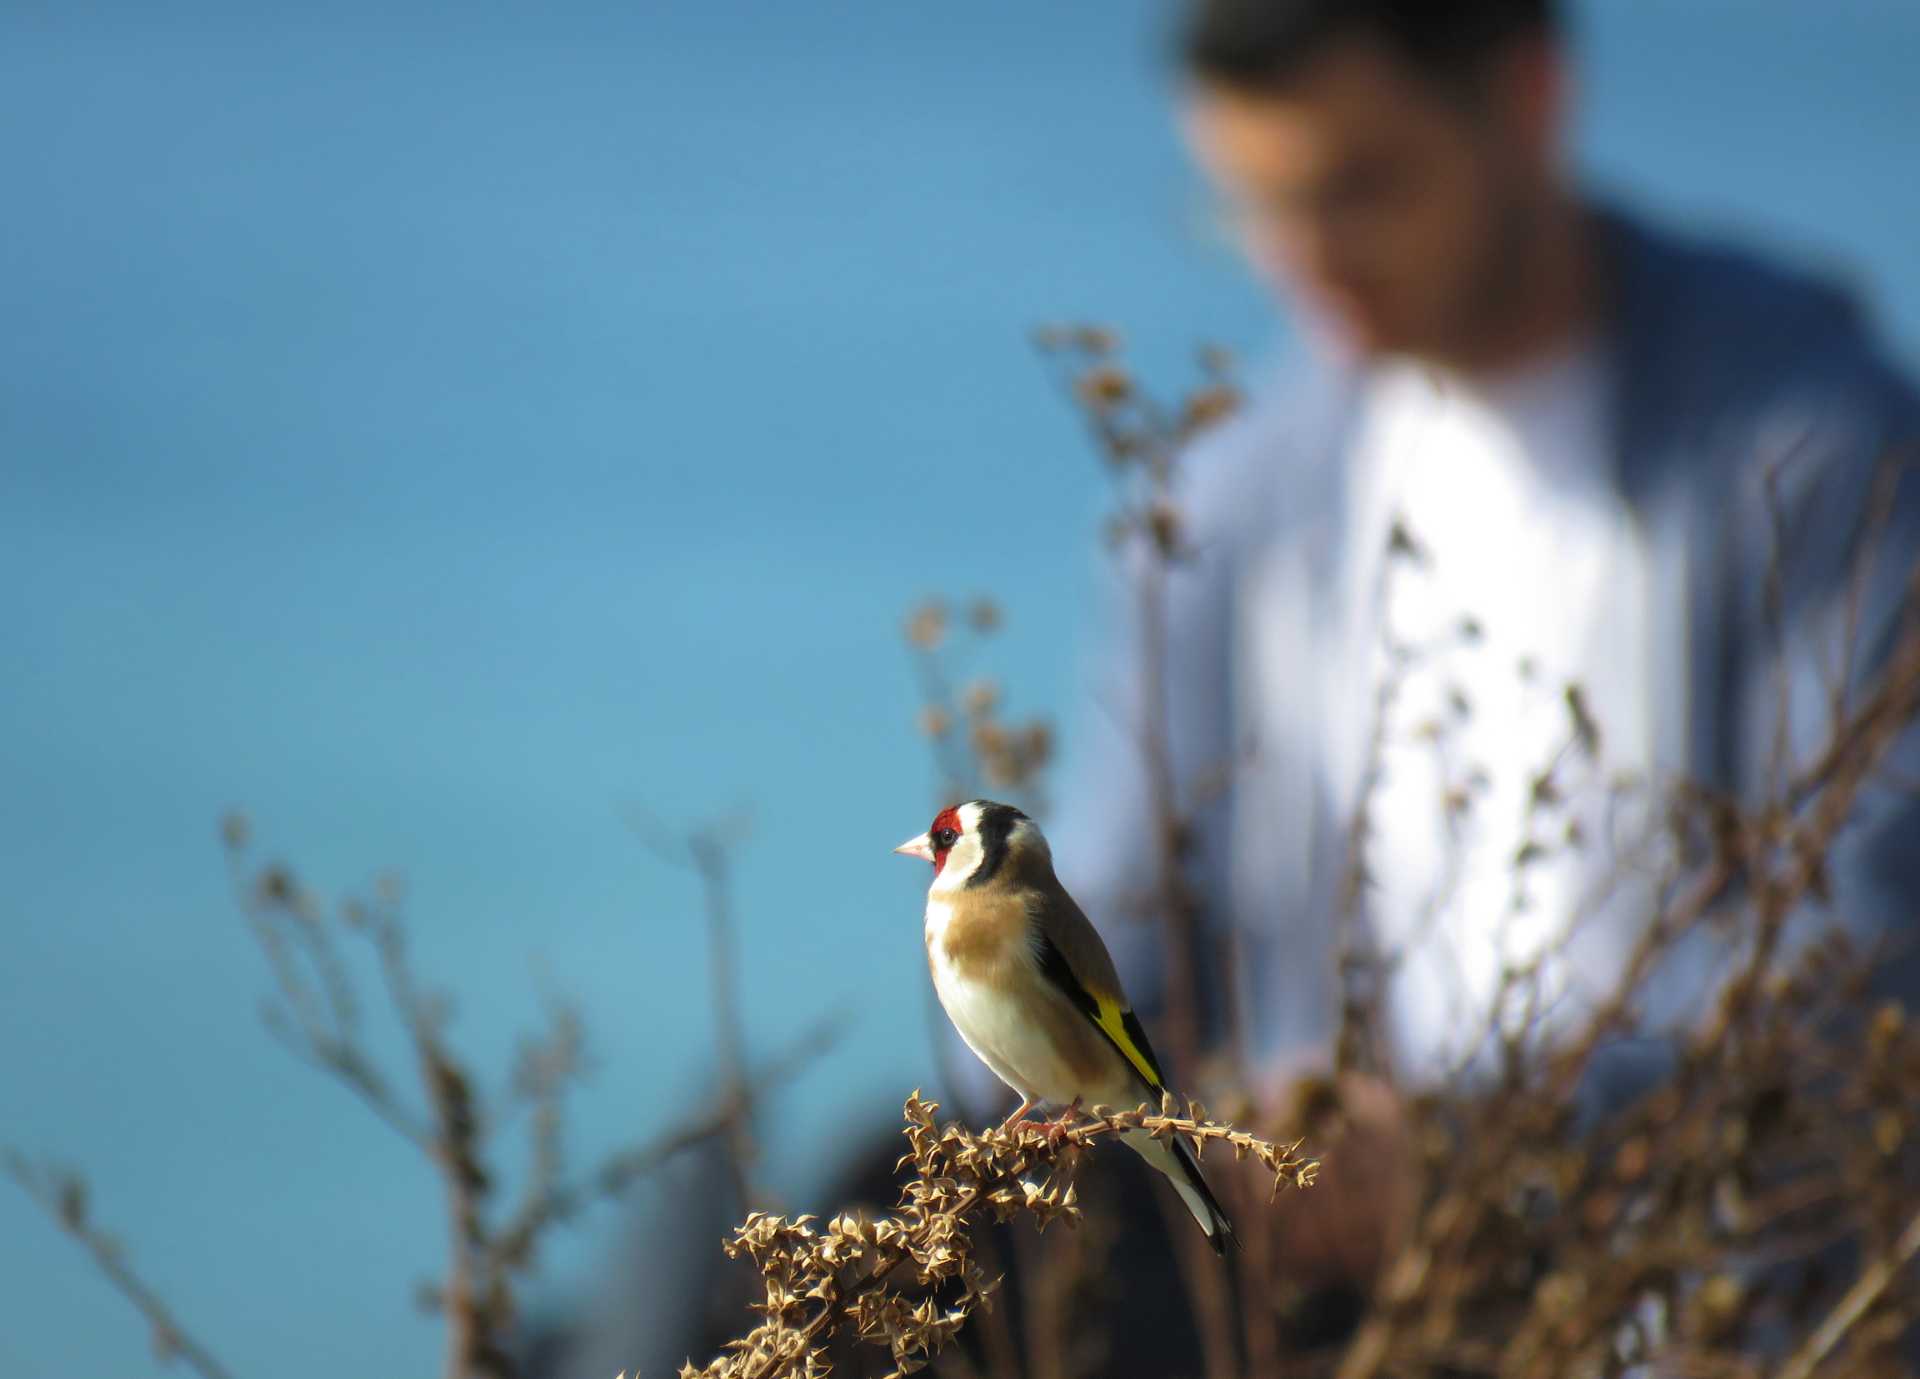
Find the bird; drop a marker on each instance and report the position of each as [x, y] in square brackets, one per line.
[1032, 990]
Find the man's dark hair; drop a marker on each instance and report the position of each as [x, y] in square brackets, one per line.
[1261, 44]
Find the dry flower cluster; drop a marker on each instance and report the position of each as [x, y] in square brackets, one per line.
[908, 1282]
[964, 719]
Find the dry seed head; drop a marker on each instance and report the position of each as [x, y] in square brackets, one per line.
[1104, 387]
[985, 617]
[927, 625]
[1096, 339]
[980, 697]
[1163, 525]
[1209, 406]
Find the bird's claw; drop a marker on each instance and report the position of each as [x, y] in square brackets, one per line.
[1056, 1130]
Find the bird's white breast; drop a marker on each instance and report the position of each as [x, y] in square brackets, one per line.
[993, 1022]
[963, 998]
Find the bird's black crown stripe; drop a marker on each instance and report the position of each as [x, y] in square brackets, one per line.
[996, 825]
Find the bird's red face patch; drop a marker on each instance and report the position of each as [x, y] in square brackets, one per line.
[943, 834]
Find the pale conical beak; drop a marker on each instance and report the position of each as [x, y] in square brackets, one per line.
[920, 847]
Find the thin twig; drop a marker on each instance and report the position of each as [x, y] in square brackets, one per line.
[620, 1171]
[707, 851]
[63, 1196]
[1874, 1280]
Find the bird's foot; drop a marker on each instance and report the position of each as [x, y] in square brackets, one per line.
[1056, 1130]
[1019, 1114]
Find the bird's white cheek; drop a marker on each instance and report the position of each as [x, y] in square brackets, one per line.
[963, 860]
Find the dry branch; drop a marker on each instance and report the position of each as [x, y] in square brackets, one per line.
[909, 1281]
[63, 1195]
[318, 1014]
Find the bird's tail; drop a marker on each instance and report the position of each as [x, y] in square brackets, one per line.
[1174, 1157]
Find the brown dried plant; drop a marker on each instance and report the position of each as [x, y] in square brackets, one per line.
[1753, 1209]
[434, 1101]
[65, 1197]
[1140, 441]
[975, 747]
[909, 1281]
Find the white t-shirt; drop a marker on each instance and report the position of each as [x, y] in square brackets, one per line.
[1524, 574]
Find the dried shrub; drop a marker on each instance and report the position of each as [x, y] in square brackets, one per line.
[1747, 1199]
[909, 1281]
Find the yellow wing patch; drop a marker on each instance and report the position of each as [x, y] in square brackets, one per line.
[1121, 1026]
[1114, 1022]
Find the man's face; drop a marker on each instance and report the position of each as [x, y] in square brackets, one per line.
[1397, 211]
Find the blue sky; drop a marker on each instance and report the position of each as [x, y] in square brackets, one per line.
[438, 429]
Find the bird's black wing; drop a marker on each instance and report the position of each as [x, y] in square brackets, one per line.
[1117, 1022]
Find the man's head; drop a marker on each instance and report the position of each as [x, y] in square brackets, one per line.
[1394, 162]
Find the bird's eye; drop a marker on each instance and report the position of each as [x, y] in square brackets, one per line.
[945, 839]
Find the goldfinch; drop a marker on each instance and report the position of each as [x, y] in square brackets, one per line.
[1028, 983]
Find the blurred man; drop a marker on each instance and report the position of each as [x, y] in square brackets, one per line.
[1502, 551]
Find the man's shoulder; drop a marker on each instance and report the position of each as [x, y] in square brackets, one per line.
[1657, 263]
[1727, 319]
[1725, 353]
